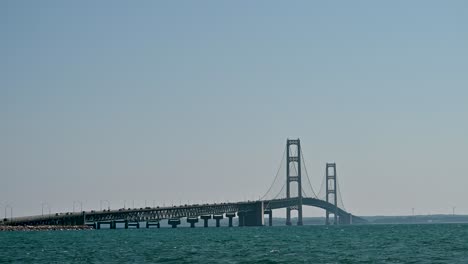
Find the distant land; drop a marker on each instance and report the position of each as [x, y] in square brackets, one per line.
[417, 219]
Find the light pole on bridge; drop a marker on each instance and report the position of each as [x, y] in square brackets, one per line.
[108, 203]
[80, 203]
[5, 215]
[42, 208]
[11, 211]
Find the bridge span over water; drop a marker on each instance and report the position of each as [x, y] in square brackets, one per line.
[249, 213]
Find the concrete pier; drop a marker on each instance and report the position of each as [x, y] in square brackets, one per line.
[192, 221]
[174, 222]
[230, 216]
[270, 217]
[218, 218]
[153, 223]
[241, 216]
[205, 219]
[135, 224]
[252, 217]
[111, 224]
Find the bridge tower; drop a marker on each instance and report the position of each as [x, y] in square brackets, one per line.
[331, 191]
[291, 176]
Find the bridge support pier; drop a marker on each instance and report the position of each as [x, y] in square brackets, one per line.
[152, 223]
[345, 219]
[270, 217]
[230, 216]
[205, 219]
[252, 217]
[217, 218]
[192, 221]
[98, 224]
[126, 224]
[113, 225]
[241, 216]
[174, 222]
[136, 224]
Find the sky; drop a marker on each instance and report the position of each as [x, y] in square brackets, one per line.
[174, 102]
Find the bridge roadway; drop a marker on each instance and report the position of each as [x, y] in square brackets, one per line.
[250, 213]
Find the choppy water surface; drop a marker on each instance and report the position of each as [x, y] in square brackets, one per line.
[308, 244]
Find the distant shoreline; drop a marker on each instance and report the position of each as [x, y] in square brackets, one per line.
[6, 228]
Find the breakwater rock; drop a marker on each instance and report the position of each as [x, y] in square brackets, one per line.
[43, 228]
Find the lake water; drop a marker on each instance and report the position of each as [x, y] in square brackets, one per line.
[431, 243]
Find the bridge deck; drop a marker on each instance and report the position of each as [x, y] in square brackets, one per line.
[160, 213]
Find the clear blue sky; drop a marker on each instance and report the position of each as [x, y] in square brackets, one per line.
[179, 101]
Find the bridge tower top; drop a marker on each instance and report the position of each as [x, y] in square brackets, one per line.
[293, 174]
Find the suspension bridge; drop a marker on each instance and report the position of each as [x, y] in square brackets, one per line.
[292, 194]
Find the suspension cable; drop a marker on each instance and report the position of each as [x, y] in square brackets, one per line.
[282, 188]
[304, 194]
[322, 185]
[307, 174]
[284, 184]
[339, 192]
[276, 177]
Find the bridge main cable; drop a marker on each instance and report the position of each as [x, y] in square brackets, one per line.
[307, 174]
[276, 177]
[340, 196]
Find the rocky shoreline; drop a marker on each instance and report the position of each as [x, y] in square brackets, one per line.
[44, 228]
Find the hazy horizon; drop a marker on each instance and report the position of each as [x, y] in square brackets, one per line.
[193, 102]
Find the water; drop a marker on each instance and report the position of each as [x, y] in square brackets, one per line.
[444, 243]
